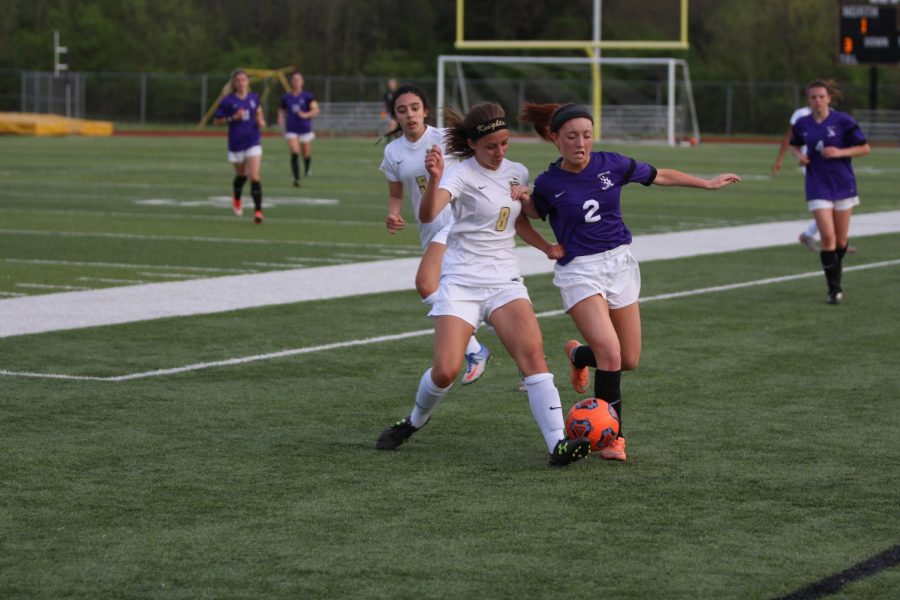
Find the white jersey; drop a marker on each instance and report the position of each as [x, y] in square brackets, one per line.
[404, 162]
[799, 114]
[480, 248]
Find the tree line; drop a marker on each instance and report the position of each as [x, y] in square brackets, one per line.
[763, 40]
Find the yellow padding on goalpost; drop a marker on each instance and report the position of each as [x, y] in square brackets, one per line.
[14, 123]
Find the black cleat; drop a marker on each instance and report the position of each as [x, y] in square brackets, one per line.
[296, 183]
[569, 450]
[835, 297]
[394, 436]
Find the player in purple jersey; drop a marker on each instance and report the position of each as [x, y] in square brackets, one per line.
[481, 278]
[243, 114]
[295, 115]
[831, 139]
[598, 277]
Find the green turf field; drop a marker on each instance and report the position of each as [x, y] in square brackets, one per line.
[762, 424]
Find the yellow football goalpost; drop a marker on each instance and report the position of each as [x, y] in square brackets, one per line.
[254, 75]
[592, 48]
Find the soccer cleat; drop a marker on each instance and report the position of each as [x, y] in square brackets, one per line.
[615, 451]
[851, 249]
[835, 297]
[257, 217]
[522, 387]
[236, 206]
[579, 376]
[394, 436]
[568, 451]
[808, 241]
[296, 183]
[475, 363]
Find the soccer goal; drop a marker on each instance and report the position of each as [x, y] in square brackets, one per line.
[635, 98]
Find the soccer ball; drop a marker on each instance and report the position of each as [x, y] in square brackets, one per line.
[594, 419]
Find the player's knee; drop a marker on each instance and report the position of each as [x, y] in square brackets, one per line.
[630, 363]
[444, 375]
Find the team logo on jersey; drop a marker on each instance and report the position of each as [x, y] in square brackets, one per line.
[605, 181]
[831, 132]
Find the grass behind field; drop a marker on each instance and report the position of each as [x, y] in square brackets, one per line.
[762, 425]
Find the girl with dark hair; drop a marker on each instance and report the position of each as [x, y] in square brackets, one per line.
[598, 277]
[830, 138]
[297, 110]
[404, 167]
[244, 116]
[480, 279]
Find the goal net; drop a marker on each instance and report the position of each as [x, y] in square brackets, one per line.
[631, 98]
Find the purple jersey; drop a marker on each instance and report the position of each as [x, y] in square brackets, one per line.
[828, 178]
[584, 208]
[292, 106]
[243, 132]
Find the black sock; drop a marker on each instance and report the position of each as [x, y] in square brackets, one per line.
[608, 387]
[832, 266]
[237, 185]
[295, 165]
[840, 252]
[583, 357]
[256, 192]
[306, 163]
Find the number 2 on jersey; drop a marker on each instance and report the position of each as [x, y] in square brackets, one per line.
[503, 220]
[591, 208]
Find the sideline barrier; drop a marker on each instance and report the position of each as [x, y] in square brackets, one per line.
[39, 124]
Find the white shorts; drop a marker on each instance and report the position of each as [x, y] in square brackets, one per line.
[475, 304]
[614, 274]
[838, 205]
[239, 157]
[303, 138]
[433, 233]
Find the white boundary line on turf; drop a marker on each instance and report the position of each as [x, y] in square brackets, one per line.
[410, 334]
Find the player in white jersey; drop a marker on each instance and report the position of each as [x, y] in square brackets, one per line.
[404, 167]
[481, 279]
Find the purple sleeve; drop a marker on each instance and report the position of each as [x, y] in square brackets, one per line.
[796, 136]
[854, 136]
[223, 110]
[541, 205]
[284, 101]
[640, 172]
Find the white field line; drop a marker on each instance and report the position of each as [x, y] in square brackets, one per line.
[410, 334]
[191, 238]
[109, 280]
[108, 265]
[47, 286]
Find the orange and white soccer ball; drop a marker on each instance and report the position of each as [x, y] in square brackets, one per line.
[594, 419]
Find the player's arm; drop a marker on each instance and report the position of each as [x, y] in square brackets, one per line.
[434, 199]
[851, 152]
[523, 195]
[281, 116]
[312, 112]
[526, 231]
[221, 116]
[394, 219]
[260, 117]
[672, 177]
[802, 159]
[782, 148]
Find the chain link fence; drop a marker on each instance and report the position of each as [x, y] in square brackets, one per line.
[181, 100]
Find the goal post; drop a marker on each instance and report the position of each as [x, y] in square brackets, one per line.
[668, 118]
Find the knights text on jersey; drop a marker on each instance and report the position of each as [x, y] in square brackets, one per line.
[585, 207]
[481, 245]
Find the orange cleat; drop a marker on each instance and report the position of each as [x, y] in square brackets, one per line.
[236, 206]
[615, 451]
[257, 217]
[579, 376]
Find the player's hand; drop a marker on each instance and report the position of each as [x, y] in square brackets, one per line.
[394, 223]
[520, 193]
[831, 152]
[776, 168]
[803, 161]
[434, 161]
[720, 181]
[556, 252]
[237, 115]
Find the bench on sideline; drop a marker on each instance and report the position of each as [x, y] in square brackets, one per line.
[881, 125]
[349, 117]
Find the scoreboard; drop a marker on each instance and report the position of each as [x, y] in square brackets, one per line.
[870, 33]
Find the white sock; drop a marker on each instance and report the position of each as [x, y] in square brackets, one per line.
[812, 230]
[430, 299]
[543, 397]
[474, 345]
[428, 396]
